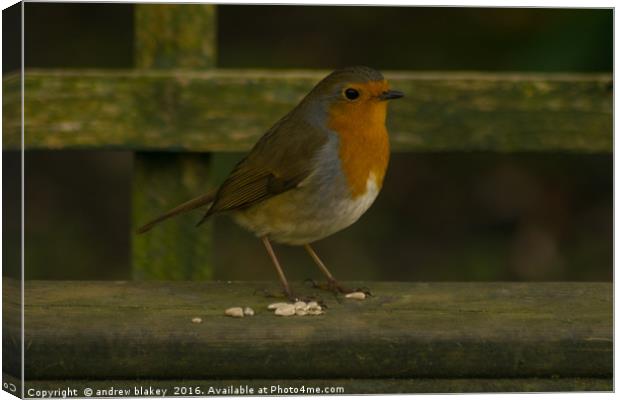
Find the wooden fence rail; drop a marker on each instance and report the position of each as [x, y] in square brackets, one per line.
[227, 110]
[546, 335]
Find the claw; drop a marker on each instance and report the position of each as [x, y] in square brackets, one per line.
[337, 287]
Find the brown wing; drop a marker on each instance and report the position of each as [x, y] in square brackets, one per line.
[279, 161]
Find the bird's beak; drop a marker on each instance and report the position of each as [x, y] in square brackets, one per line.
[391, 94]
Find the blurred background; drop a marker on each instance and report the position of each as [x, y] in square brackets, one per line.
[441, 216]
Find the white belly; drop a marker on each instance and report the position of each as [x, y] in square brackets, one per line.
[314, 210]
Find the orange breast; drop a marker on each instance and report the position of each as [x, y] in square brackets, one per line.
[364, 142]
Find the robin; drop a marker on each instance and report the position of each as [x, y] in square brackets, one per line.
[314, 173]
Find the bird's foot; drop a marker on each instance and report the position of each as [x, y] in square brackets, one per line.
[336, 287]
[293, 298]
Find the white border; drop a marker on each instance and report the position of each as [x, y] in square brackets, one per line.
[479, 3]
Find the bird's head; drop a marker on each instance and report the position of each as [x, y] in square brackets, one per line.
[355, 94]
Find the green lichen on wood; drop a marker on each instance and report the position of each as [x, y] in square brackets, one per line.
[11, 111]
[175, 249]
[133, 330]
[224, 110]
[175, 36]
[169, 36]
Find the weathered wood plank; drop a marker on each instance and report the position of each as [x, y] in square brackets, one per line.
[143, 330]
[12, 327]
[227, 110]
[167, 36]
[177, 249]
[322, 386]
[175, 36]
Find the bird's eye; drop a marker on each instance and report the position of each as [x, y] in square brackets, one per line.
[351, 94]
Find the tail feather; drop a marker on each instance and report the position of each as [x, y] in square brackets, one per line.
[180, 209]
[204, 218]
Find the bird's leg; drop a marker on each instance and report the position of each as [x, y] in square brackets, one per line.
[332, 283]
[276, 263]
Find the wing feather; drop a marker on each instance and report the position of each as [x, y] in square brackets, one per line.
[280, 160]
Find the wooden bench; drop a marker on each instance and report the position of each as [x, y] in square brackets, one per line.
[408, 337]
[172, 111]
